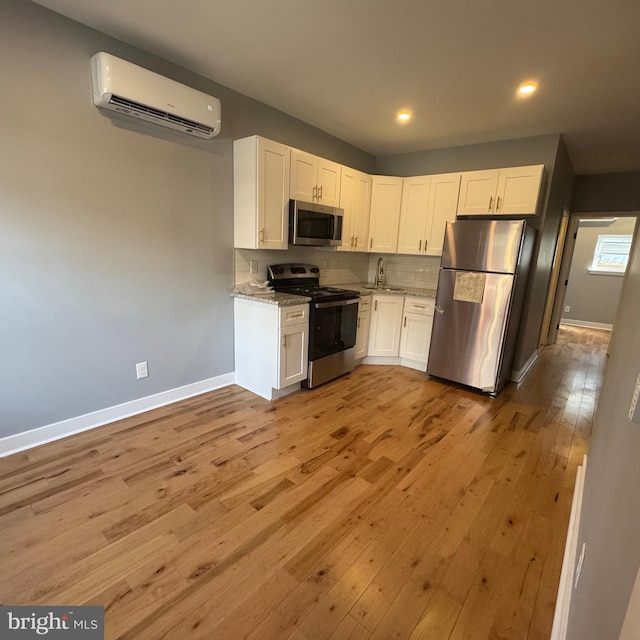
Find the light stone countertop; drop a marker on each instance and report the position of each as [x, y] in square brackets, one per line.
[272, 297]
[394, 291]
[287, 299]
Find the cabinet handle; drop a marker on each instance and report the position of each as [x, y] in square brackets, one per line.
[356, 242]
[498, 204]
[314, 195]
[418, 306]
[358, 324]
[297, 315]
[370, 243]
[425, 245]
[320, 192]
[490, 203]
[420, 246]
[262, 234]
[405, 321]
[284, 341]
[353, 241]
[375, 305]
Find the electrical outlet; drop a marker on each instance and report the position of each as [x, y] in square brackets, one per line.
[567, 309]
[142, 370]
[580, 563]
[253, 266]
[634, 410]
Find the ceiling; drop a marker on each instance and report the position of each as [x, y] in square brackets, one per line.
[347, 66]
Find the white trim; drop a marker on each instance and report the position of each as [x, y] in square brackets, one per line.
[586, 324]
[383, 360]
[517, 376]
[48, 433]
[565, 589]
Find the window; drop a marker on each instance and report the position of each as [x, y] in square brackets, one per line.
[611, 254]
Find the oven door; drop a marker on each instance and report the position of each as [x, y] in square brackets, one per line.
[333, 327]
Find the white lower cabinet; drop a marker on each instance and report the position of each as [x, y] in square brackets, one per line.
[385, 325]
[415, 337]
[400, 331]
[362, 332]
[271, 347]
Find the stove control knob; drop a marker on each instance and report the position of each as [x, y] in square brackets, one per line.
[314, 270]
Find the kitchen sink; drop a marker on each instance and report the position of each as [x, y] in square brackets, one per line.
[381, 288]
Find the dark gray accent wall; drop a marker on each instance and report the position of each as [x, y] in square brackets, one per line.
[610, 519]
[116, 237]
[606, 192]
[558, 197]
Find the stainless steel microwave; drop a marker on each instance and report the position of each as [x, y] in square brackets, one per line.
[314, 224]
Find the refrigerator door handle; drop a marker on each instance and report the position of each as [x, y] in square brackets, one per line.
[439, 309]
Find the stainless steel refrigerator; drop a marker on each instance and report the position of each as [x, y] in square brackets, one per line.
[481, 287]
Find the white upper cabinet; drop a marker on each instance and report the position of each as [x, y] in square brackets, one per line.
[260, 193]
[511, 191]
[428, 203]
[413, 215]
[386, 197]
[355, 199]
[443, 202]
[314, 179]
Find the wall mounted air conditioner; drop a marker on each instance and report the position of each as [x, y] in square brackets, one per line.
[133, 91]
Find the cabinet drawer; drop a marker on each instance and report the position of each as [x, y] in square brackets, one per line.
[294, 315]
[364, 304]
[423, 306]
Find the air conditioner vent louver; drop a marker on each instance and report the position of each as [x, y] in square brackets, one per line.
[160, 115]
[121, 86]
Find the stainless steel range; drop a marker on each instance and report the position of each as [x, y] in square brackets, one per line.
[333, 319]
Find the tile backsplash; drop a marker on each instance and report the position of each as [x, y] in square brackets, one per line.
[342, 267]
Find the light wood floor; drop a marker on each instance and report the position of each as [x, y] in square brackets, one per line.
[381, 505]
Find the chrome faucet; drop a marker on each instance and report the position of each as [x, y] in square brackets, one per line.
[380, 273]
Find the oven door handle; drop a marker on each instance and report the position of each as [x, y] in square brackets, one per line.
[338, 303]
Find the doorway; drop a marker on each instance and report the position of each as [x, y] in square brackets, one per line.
[586, 288]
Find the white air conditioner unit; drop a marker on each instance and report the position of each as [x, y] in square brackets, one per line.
[133, 91]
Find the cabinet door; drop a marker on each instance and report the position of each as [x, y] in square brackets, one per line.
[413, 215]
[260, 193]
[443, 201]
[273, 201]
[415, 337]
[518, 190]
[292, 366]
[478, 192]
[328, 182]
[304, 172]
[384, 328]
[386, 196]
[362, 335]
[355, 199]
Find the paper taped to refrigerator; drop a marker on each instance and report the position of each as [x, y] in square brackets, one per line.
[469, 287]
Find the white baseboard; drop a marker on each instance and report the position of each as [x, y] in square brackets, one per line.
[517, 376]
[35, 437]
[586, 324]
[563, 601]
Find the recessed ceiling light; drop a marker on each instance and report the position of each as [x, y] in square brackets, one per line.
[403, 116]
[527, 88]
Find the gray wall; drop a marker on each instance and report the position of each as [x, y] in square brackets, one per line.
[607, 192]
[548, 150]
[116, 237]
[610, 519]
[594, 297]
